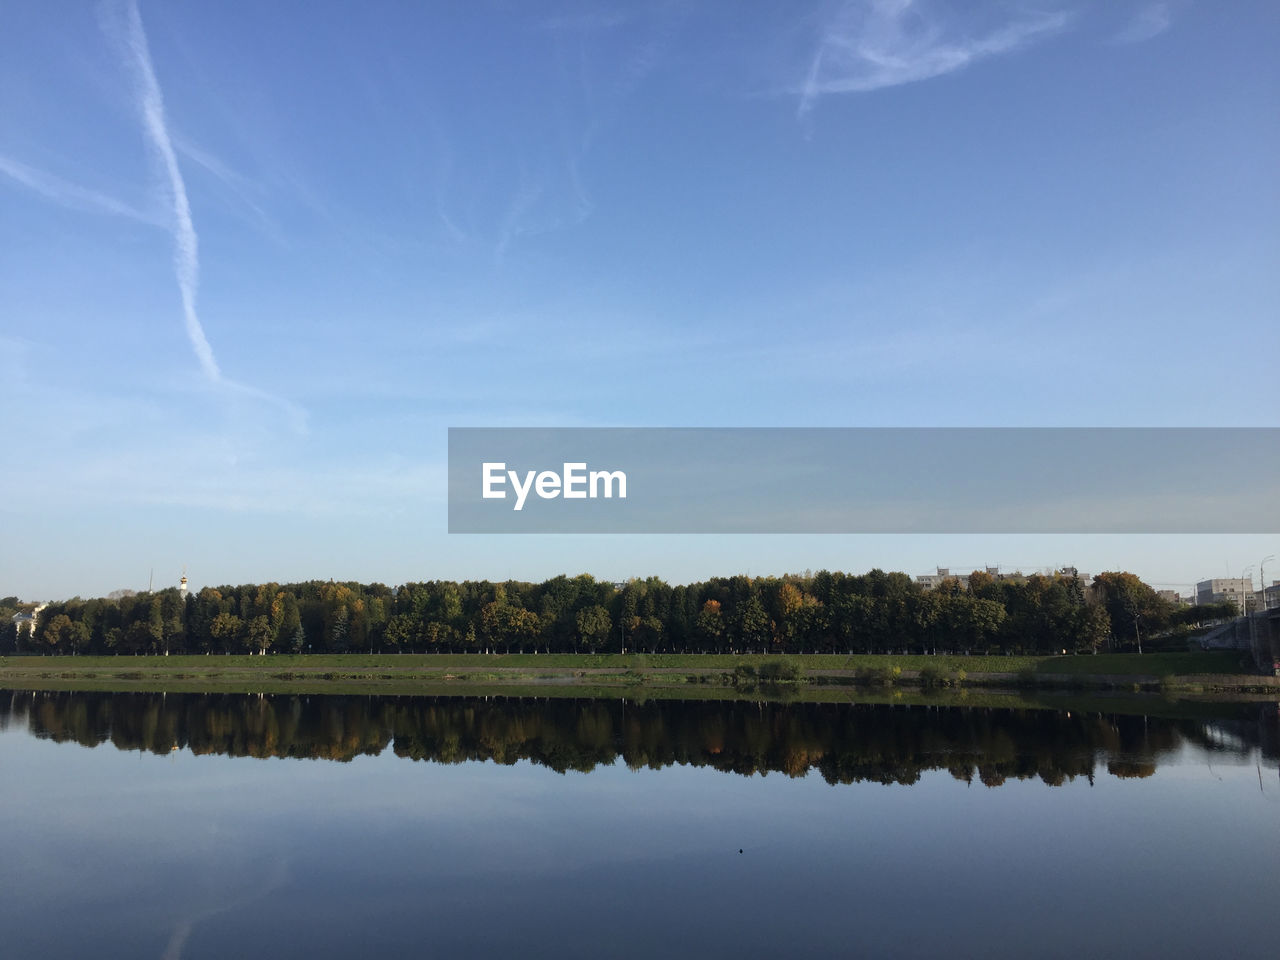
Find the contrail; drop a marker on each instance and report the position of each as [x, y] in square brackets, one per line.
[186, 244]
[69, 194]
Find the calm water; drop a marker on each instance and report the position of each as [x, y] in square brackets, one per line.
[222, 826]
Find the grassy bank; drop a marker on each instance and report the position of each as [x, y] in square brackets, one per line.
[409, 673]
[1218, 661]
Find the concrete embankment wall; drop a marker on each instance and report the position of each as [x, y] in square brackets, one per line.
[1259, 633]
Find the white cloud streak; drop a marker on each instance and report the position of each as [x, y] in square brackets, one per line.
[873, 44]
[1152, 20]
[128, 31]
[513, 223]
[186, 243]
[69, 194]
[242, 188]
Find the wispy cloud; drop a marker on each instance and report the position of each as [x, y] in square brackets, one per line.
[872, 44]
[186, 254]
[587, 21]
[603, 58]
[243, 189]
[1152, 20]
[69, 194]
[514, 222]
[186, 259]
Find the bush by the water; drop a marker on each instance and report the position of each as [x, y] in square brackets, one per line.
[877, 676]
[776, 671]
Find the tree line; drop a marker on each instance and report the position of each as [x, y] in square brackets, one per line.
[824, 612]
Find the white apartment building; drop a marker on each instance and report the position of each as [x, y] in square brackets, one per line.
[1239, 590]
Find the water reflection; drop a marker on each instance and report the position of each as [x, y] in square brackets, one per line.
[844, 743]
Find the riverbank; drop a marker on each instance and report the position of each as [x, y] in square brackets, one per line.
[812, 676]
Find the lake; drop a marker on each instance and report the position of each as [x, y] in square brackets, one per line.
[192, 825]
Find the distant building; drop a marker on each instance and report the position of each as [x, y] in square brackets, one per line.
[25, 623]
[1169, 595]
[931, 581]
[1238, 590]
[1086, 579]
[1271, 596]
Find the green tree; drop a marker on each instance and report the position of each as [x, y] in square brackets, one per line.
[594, 626]
[57, 633]
[290, 619]
[260, 636]
[340, 635]
[400, 632]
[225, 631]
[754, 626]
[1092, 628]
[1133, 606]
[710, 624]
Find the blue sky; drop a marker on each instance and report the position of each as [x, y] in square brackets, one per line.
[255, 259]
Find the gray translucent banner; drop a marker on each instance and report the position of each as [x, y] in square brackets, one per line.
[864, 480]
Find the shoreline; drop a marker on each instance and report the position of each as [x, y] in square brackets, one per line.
[813, 677]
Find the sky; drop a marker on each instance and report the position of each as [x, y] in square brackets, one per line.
[256, 259]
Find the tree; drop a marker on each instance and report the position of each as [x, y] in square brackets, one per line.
[153, 636]
[982, 584]
[57, 632]
[1093, 626]
[78, 637]
[646, 633]
[710, 624]
[754, 626]
[225, 630]
[1131, 605]
[260, 635]
[400, 631]
[290, 620]
[341, 629]
[925, 615]
[594, 626]
[788, 621]
[975, 621]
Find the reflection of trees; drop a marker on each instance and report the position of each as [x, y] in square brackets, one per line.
[844, 743]
[1130, 769]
